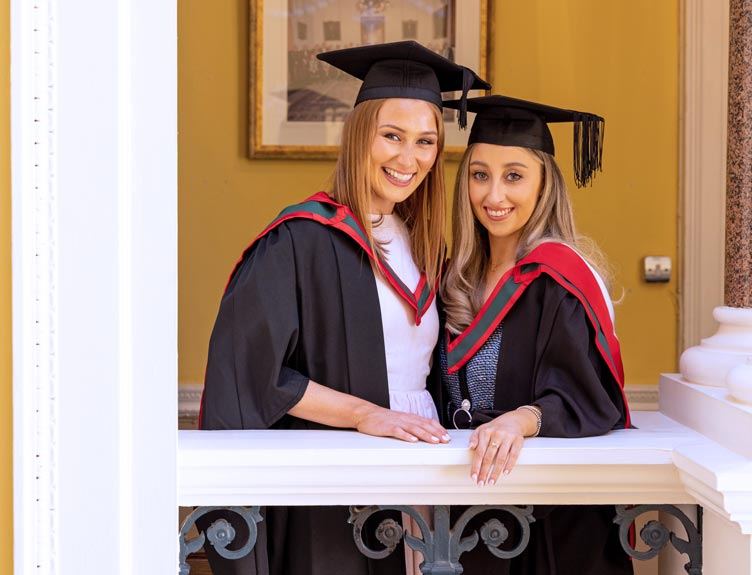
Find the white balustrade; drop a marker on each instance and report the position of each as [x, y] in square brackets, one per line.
[663, 461]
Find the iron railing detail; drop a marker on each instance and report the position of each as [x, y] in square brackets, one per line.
[443, 545]
[220, 534]
[656, 535]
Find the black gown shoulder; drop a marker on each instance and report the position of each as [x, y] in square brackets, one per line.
[301, 305]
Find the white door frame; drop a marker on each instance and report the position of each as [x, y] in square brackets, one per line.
[702, 165]
[94, 158]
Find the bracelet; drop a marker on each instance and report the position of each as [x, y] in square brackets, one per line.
[538, 415]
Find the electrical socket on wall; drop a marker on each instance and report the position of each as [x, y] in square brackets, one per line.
[656, 269]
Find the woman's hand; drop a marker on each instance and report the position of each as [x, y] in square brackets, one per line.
[497, 445]
[405, 426]
[337, 409]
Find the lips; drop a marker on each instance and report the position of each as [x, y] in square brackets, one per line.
[398, 178]
[499, 214]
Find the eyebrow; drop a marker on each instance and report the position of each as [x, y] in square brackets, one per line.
[397, 128]
[507, 165]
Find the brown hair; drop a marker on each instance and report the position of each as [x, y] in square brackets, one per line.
[423, 212]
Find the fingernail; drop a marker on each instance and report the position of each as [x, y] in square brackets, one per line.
[434, 438]
[447, 437]
[506, 472]
[474, 477]
[413, 438]
[490, 481]
[480, 483]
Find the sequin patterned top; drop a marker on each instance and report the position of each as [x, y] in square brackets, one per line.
[481, 375]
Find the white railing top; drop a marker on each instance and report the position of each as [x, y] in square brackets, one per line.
[659, 462]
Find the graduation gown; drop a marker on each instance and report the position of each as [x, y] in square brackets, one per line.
[558, 351]
[301, 304]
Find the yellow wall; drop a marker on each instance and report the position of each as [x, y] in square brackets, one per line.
[6, 413]
[618, 59]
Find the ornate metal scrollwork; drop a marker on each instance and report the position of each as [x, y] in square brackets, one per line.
[656, 535]
[220, 534]
[442, 546]
[494, 533]
[389, 532]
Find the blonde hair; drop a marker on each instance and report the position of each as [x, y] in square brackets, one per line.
[423, 212]
[552, 219]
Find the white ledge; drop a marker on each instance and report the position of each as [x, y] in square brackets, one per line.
[714, 479]
[660, 462]
[711, 411]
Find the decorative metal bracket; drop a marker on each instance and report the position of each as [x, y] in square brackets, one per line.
[220, 534]
[442, 546]
[656, 535]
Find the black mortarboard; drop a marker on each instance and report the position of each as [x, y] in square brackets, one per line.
[511, 122]
[405, 70]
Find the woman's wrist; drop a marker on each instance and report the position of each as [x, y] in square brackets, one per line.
[538, 413]
[333, 408]
[361, 411]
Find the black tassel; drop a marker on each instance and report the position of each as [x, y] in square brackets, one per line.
[468, 78]
[588, 147]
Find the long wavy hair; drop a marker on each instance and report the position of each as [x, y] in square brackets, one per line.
[423, 212]
[552, 219]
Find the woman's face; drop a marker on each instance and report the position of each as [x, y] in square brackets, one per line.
[505, 183]
[402, 152]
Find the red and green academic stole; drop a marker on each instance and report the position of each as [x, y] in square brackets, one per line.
[568, 270]
[323, 209]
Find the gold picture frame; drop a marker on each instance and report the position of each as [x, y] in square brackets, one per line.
[297, 102]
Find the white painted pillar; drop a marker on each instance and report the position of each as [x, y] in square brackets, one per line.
[94, 125]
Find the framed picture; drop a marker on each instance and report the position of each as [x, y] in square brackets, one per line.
[298, 103]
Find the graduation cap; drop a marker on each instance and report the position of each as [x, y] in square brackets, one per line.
[405, 70]
[508, 121]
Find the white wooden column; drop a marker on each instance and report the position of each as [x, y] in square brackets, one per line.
[702, 165]
[94, 158]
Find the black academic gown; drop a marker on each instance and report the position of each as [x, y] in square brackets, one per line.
[548, 357]
[302, 304]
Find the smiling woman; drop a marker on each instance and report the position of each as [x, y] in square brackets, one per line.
[403, 151]
[532, 349]
[504, 186]
[329, 319]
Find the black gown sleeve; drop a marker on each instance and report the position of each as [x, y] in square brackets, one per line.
[548, 357]
[248, 382]
[572, 384]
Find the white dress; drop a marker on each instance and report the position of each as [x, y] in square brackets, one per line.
[409, 347]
